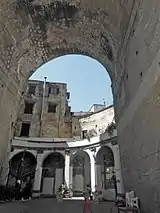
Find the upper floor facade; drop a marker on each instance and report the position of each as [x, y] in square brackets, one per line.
[45, 112]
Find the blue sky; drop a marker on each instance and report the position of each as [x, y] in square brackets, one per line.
[87, 80]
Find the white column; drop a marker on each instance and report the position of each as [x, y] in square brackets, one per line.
[118, 172]
[67, 170]
[38, 177]
[93, 175]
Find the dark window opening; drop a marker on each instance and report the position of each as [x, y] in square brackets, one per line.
[25, 129]
[57, 91]
[28, 108]
[52, 108]
[68, 95]
[75, 127]
[32, 89]
[49, 90]
[54, 91]
[84, 134]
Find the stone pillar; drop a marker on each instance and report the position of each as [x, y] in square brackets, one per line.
[67, 169]
[37, 177]
[118, 172]
[93, 175]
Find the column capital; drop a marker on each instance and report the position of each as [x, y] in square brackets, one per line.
[67, 151]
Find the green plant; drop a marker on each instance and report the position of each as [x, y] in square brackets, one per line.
[110, 129]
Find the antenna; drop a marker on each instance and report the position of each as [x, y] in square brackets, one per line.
[104, 103]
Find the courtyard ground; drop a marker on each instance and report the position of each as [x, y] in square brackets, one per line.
[49, 205]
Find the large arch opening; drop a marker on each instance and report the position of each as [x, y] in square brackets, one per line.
[72, 86]
[52, 174]
[87, 80]
[81, 173]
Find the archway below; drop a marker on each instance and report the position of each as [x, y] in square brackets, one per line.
[21, 173]
[52, 174]
[106, 179]
[80, 172]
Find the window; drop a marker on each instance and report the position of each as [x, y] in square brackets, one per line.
[28, 108]
[84, 134]
[53, 90]
[57, 91]
[49, 90]
[68, 95]
[25, 129]
[32, 89]
[52, 108]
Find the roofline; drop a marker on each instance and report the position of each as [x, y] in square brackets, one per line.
[96, 105]
[92, 113]
[40, 81]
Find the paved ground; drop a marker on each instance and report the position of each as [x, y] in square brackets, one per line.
[46, 205]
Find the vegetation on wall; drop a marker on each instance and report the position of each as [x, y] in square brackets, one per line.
[110, 128]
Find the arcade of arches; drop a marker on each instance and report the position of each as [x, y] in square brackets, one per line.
[124, 36]
[76, 169]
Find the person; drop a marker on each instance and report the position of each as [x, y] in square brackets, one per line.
[18, 190]
[115, 185]
[89, 191]
[59, 195]
[96, 195]
[27, 191]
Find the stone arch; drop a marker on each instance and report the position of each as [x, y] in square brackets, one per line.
[22, 167]
[46, 154]
[17, 151]
[52, 173]
[81, 172]
[48, 30]
[109, 156]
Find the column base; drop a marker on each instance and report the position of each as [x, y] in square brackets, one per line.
[36, 193]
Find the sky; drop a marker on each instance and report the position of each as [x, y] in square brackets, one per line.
[87, 80]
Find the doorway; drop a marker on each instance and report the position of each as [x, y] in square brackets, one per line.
[52, 174]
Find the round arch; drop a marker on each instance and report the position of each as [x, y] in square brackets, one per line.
[106, 178]
[52, 173]
[22, 168]
[81, 172]
[16, 151]
[46, 154]
[107, 153]
[58, 28]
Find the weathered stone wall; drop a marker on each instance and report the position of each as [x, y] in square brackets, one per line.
[137, 123]
[140, 152]
[76, 128]
[44, 124]
[97, 123]
[59, 124]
